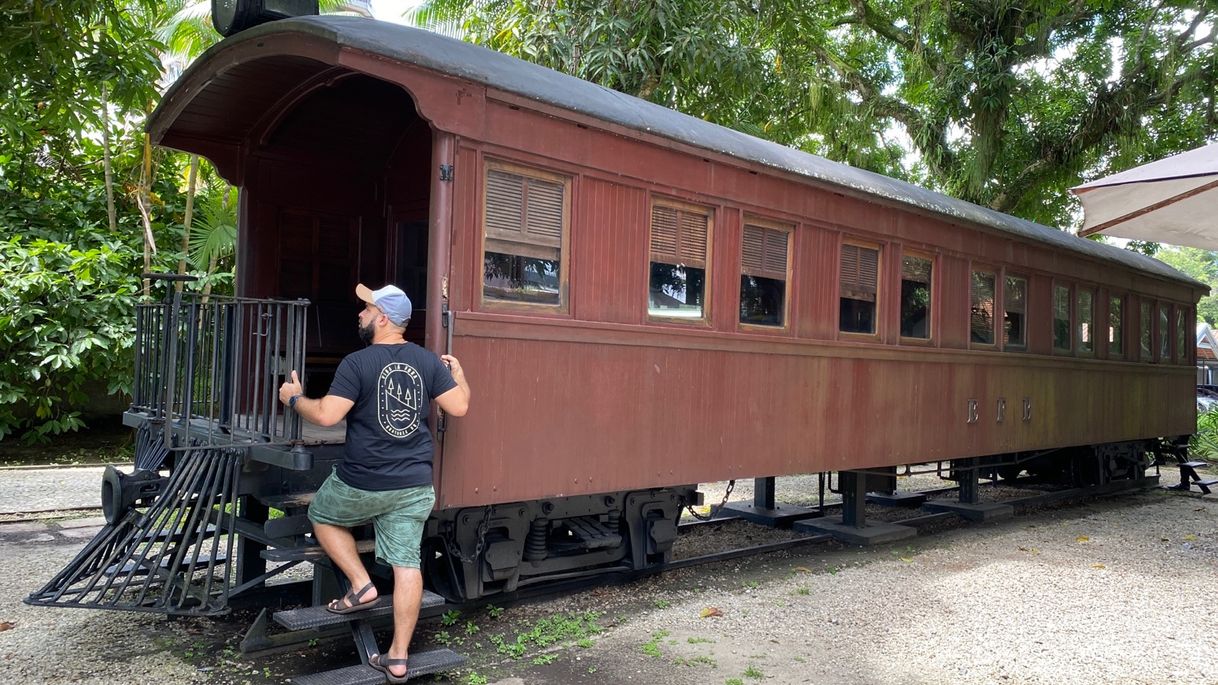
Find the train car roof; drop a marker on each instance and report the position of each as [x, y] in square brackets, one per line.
[502, 72]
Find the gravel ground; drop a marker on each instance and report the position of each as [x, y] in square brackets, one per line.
[76, 646]
[1114, 591]
[40, 489]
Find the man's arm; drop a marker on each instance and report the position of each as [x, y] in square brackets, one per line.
[454, 402]
[327, 411]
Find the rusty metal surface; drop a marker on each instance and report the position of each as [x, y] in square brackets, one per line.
[579, 410]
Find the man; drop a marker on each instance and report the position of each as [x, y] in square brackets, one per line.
[384, 391]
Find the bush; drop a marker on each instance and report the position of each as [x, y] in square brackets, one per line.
[66, 324]
[1204, 442]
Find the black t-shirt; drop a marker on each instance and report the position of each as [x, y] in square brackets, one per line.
[389, 444]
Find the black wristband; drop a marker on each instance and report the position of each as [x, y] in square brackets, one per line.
[292, 400]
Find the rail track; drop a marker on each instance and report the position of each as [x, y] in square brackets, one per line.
[260, 640]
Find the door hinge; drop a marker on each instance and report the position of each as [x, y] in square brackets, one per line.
[446, 172]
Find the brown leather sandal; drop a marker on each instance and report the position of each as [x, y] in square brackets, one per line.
[352, 602]
[382, 663]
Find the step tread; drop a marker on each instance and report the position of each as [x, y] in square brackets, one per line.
[421, 664]
[309, 552]
[318, 617]
[1195, 464]
[1207, 482]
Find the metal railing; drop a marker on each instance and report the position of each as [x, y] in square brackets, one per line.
[209, 369]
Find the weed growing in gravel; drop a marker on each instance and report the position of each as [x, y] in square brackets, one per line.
[471, 628]
[549, 631]
[753, 672]
[663, 604]
[701, 660]
[450, 618]
[734, 681]
[494, 611]
[475, 679]
[543, 659]
[803, 591]
[584, 643]
[699, 640]
[652, 649]
[752, 584]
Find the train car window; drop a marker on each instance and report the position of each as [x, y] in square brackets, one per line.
[1116, 332]
[679, 245]
[1086, 322]
[981, 310]
[1181, 336]
[1061, 318]
[1164, 332]
[526, 213]
[763, 275]
[916, 275]
[857, 287]
[1145, 336]
[1015, 309]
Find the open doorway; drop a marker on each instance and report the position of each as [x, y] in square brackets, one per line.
[338, 194]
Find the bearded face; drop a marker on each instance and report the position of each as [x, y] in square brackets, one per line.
[366, 332]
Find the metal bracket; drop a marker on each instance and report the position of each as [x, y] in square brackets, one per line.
[972, 412]
[446, 172]
[1027, 409]
[1002, 409]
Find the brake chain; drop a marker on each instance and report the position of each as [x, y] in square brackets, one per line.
[731, 485]
[455, 549]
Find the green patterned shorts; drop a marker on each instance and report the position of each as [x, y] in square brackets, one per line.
[397, 515]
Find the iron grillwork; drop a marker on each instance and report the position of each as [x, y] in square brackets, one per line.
[205, 393]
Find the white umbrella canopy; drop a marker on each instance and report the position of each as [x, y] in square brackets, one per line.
[1173, 200]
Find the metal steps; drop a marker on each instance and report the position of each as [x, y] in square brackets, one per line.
[421, 664]
[319, 617]
[310, 552]
[1189, 477]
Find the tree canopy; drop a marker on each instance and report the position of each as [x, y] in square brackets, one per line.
[1000, 102]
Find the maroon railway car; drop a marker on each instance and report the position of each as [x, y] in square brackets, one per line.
[644, 301]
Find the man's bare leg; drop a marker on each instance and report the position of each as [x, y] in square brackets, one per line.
[339, 544]
[407, 596]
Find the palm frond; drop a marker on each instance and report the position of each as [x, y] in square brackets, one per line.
[213, 233]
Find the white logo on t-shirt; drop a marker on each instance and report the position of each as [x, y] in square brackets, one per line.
[399, 399]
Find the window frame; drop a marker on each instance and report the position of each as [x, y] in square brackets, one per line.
[707, 211]
[877, 317]
[931, 328]
[563, 307]
[1184, 351]
[1077, 316]
[1053, 346]
[1163, 338]
[997, 305]
[1146, 329]
[774, 225]
[1023, 346]
[1122, 333]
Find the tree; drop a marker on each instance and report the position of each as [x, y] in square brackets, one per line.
[77, 80]
[1201, 265]
[1005, 103]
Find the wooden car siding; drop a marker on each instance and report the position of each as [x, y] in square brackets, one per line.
[767, 411]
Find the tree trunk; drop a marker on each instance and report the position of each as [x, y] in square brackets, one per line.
[106, 164]
[142, 200]
[191, 187]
